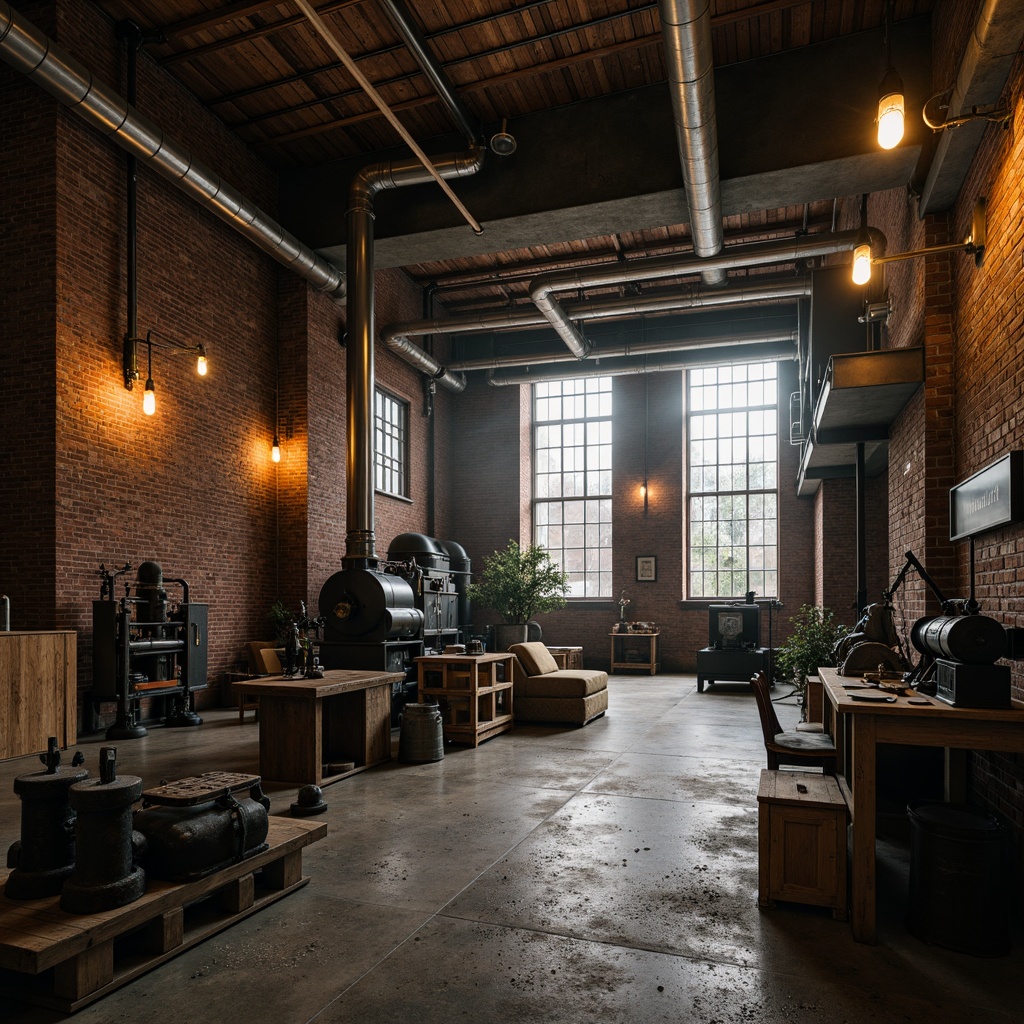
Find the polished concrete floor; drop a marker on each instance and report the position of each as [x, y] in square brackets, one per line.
[607, 873]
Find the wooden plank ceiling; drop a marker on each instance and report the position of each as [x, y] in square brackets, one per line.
[264, 71]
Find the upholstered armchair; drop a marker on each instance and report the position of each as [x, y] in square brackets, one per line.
[542, 692]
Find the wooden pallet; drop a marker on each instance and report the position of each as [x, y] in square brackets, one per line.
[66, 961]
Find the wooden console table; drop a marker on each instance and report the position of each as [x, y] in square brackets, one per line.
[473, 691]
[567, 657]
[38, 690]
[620, 657]
[317, 731]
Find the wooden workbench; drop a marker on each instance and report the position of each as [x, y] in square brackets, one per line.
[318, 731]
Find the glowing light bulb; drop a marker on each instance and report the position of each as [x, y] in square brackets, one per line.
[891, 110]
[201, 362]
[275, 452]
[862, 264]
[149, 398]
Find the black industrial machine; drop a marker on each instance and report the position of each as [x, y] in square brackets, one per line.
[734, 648]
[958, 648]
[385, 617]
[146, 646]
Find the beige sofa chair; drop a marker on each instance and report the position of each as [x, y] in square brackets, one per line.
[542, 692]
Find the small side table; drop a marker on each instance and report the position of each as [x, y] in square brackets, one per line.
[648, 644]
[473, 691]
[567, 657]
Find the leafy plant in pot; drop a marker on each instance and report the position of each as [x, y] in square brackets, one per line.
[811, 644]
[519, 583]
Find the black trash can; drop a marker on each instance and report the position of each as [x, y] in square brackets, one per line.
[959, 859]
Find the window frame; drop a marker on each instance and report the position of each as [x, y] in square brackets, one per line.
[768, 574]
[597, 557]
[387, 466]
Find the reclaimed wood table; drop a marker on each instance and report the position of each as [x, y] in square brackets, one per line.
[858, 726]
[318, 731]
[623, 642]
[473, 692]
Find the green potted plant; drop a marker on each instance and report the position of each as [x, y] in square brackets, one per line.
[810, 645]
[519, 583]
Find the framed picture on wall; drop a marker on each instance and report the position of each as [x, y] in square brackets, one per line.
[646, 568]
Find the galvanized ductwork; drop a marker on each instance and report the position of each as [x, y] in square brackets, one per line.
[40, 59]
[789, 250]
[686, 31]
[398, 336]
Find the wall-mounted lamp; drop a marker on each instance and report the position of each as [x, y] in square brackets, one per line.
[997, 115]
[891, 103]
[973, 243]
[862, 248]
[275, 452]
[130, 363]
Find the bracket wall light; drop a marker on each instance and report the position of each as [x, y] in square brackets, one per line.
[973, 243]
[130, 362]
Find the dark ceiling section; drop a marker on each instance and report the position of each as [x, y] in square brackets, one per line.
[595, 177]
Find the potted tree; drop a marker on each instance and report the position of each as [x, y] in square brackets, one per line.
[519, 583]
[811, 645]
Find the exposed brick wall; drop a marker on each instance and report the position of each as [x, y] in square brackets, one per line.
[28, 419]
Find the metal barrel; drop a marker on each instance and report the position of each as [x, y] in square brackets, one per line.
[421, 738]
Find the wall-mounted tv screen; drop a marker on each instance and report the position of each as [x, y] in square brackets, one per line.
[734, 626]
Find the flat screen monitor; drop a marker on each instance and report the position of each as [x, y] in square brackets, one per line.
[734, 626]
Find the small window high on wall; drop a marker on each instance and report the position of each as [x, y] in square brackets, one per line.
[391, 444]
[732, 480]
[572, 480]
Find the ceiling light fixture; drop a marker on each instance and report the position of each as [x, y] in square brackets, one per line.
[891, 103]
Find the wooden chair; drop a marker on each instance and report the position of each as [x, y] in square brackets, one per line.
[800, 749]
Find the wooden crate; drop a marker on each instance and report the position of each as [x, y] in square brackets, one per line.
[802, 821]
[67, 961]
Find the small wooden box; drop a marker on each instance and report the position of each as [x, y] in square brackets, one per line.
[801, 829]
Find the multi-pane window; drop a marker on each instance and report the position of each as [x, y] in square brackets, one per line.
[733, 440]
[391, 444]
[572, 482]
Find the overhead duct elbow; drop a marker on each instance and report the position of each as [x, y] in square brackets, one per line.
[39, 58]
[421, 360]
[541, 289]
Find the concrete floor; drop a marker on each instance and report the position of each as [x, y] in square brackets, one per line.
[576, 875]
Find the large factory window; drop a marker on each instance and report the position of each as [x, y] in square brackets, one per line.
[732, 474]
[572, 483]
[391, 444]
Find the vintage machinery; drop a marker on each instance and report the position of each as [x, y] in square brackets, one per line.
[44, 857]
[959, 648]
[145, 646]
[734, 648]
[196, 826]
[106, 873]
[384, 617]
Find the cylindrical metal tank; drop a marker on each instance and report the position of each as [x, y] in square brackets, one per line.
[973, 639]
[360, 604]
[425, 551]
[461, 566]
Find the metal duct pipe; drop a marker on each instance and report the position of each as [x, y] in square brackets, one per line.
[405, 25]
[359, 331]
[397, 336]
[789, 250]
[40, 59]
[649, 348]
[686, 31]
[775, 352]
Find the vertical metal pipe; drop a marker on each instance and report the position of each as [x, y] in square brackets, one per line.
[359, 370]
[862, 559]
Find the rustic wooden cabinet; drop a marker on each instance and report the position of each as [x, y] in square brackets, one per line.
[38, 690]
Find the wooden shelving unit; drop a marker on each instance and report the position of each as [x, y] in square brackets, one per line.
[644, 660]
[473, 692]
